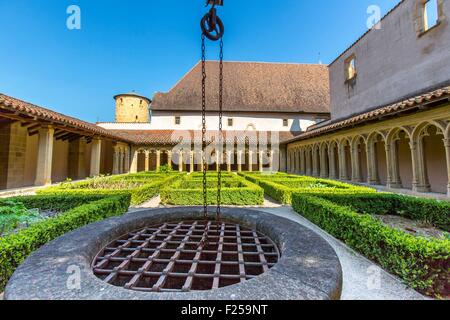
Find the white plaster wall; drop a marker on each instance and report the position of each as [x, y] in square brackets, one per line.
[241, 122]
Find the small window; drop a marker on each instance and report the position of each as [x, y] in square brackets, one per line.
[430, 14]
[285, 123]
[350, 67]
[177, 121]
[230, 122]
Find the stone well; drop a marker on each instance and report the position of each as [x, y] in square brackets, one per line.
[157, 255]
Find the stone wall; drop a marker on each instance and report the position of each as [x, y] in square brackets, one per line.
[132, 109]
[395, 62]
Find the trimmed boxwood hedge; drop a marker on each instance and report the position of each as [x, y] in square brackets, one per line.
[279, 186]
[424, 264]
[150, 188]
[235, 191]
[430, 211]
[78, 211]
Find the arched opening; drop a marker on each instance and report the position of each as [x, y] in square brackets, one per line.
[164, 159]
[152, 161]
[141, 161]
[335, 155]
[325, 163]
[435, 160]
[316, 155]
[308, 158]
[347, 158]
[380, 159]
[362, 159]
[404, 159]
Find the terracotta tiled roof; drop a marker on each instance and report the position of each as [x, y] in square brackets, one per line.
[172, 137]
[252, 87]
[28, 110]
[390, 110]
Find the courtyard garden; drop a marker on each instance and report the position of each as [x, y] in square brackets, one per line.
[27, 223]
[141, 186]
[406, 236]
[235, 190]
[281, 186]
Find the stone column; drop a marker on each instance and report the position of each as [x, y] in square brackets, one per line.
[302, 161]
[169, 158]
[332, 162]
[229, 161]
[200, 162]
[343, 174]
[121, 162]
[191, 161]
[134, 161]
[180, 161]
[260, 159]
[126, 160]
[323, 163]
[289, 160]
[308, 162]
[316, 159]
[372, 167]
[271, 160]
[217, 161]
[45, 157]
[250, 161]
[147, 160]
[393, 170]
[239, 160]
[158, 160]
[282, 158]
[355, 160]
[96, 151]
[447, 154]
[115, 162]
[420, 177]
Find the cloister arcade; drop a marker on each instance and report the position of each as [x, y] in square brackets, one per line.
[401, 153]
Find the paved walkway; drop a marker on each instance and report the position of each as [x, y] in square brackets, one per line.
[363, 280]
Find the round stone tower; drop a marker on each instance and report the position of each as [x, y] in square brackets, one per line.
[132, 107]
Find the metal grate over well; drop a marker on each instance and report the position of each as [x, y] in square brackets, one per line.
[185, 256]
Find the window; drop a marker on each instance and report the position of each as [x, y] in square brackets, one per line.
[230, 122]
[430, 14]
[350, 67]
[285, 122]
[177, 121]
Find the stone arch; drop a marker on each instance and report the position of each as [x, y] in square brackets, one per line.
[324, 160]
[431, 158]
[316, 160]
[376, 158]
[308, 160]
[399, 158]
[334, 159]
[359, 159]
[345, 164]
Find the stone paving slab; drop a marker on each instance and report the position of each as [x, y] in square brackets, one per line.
[362, 279]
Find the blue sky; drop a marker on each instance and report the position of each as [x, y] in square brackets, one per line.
[147, 45]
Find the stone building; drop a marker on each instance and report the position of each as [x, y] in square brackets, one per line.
[390, 123]
[263, 104]
[388, 94]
